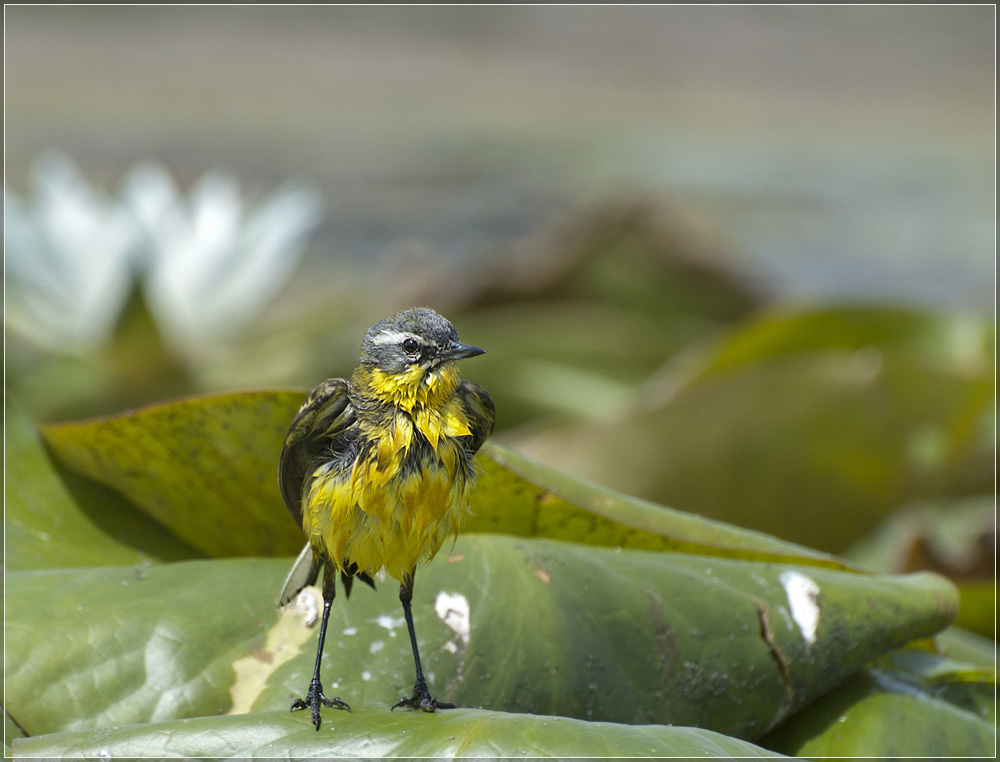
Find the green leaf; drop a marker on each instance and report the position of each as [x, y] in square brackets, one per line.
[522, 497]
[188, 462]
[954, 537]
[840, 417]
[950, 342]
[51, 520]
[379, 733]
[554, 628]
[205, 467]
[912, 704]
[124, 644]
[10, 732]
[978, 606]
[962, 645]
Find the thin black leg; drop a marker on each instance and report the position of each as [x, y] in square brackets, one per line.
[421, 698]
[315, 696]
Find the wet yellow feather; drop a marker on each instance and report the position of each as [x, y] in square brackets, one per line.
[387, 510]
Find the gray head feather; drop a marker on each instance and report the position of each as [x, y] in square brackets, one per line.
[415, 336]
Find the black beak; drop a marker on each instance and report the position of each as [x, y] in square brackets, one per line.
[459, 351]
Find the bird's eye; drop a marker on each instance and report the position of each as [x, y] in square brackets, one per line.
[411, 346]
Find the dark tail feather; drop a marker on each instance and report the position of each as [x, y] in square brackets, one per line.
[347, 577]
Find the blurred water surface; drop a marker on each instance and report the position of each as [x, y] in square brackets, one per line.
[832, 151]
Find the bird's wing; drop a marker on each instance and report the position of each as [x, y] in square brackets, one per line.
[480, 411]
[322, 419]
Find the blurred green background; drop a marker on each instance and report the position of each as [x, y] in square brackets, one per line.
[736, 260]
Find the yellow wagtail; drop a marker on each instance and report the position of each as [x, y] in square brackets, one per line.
[377, 470]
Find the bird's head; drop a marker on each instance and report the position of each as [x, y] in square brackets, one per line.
[411, 350]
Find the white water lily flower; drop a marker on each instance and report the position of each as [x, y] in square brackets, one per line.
[68, 264]
[209, 263]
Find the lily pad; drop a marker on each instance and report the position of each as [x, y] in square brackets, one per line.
[205, 467]
[519, 496]
[50, 522]
[10, 732]
[962, 645]
[553, 628]
[188, 462]
[374, 734]
[912, 704]
[812, 428]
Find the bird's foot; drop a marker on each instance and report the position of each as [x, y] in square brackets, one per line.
[422, 699]
[314, 698]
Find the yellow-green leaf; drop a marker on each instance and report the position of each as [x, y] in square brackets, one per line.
[52, 520]
[204, 466]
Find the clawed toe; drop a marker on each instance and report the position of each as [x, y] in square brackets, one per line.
[422, 700]
[314, 698]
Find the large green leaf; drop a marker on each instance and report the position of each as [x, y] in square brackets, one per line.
[189, 462]
[49, 522]
[911, 704]
[372, 733]
[554, 628]
[811, 428]
[205, 467]
[519, 496]
[704, 635]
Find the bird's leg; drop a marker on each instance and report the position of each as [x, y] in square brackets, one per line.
[315, 696]
[421, 698]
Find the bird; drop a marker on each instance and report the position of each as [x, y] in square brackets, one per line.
[377, 471]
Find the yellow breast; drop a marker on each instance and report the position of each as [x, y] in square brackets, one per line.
[405, 492]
